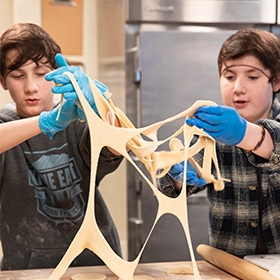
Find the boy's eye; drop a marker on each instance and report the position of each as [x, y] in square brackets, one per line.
[17, 76]
[229, 77]
[253, 77]
[41, 73]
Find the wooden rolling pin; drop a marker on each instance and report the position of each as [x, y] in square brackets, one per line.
[233, 265]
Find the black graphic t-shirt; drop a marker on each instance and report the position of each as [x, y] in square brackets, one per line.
[44, 191]
[56, 181]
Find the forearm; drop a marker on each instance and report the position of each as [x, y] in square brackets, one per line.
[252, 136]
[15, 132]
[107, 163]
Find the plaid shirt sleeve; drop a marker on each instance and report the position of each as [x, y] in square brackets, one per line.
[234, 218]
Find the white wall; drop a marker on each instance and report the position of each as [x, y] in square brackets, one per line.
[6, 20]
[113, 186]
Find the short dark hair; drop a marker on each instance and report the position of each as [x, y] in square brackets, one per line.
[31, 42]
[263, 44]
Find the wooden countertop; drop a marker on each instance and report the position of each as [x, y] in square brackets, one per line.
[155, 270]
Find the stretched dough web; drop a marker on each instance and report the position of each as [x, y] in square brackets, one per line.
[102, 133]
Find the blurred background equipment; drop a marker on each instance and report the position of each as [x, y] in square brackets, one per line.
[171, 61]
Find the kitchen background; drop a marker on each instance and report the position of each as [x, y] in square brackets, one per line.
[157, 57]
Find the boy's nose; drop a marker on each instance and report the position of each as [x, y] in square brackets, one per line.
[30, 85]
[239, 87]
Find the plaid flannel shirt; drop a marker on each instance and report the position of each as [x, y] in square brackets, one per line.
[234, 216]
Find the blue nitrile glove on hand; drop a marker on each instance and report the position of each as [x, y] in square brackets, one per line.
[223, 123]
[177, 174]
[49, 123]
[64, 85]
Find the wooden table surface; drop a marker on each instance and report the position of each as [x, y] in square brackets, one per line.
[155, 270]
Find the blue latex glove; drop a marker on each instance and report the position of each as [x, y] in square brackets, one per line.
[64, 85]
[47, 120]
[177, 173]
[221, 122]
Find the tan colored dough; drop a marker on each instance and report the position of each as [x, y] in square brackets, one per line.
[141, 277]
[89, 276]
[184, 269]
[119, 138]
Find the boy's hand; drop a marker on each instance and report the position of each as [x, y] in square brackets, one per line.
[64, 85]
[49, 123]
[221, 122]
[177, 174]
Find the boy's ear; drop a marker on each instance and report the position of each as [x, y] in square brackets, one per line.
[3, 82]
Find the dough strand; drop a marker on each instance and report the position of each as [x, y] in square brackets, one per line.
[119, 138]
[89, 276]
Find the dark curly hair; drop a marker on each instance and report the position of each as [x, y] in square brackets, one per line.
[31, 42]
